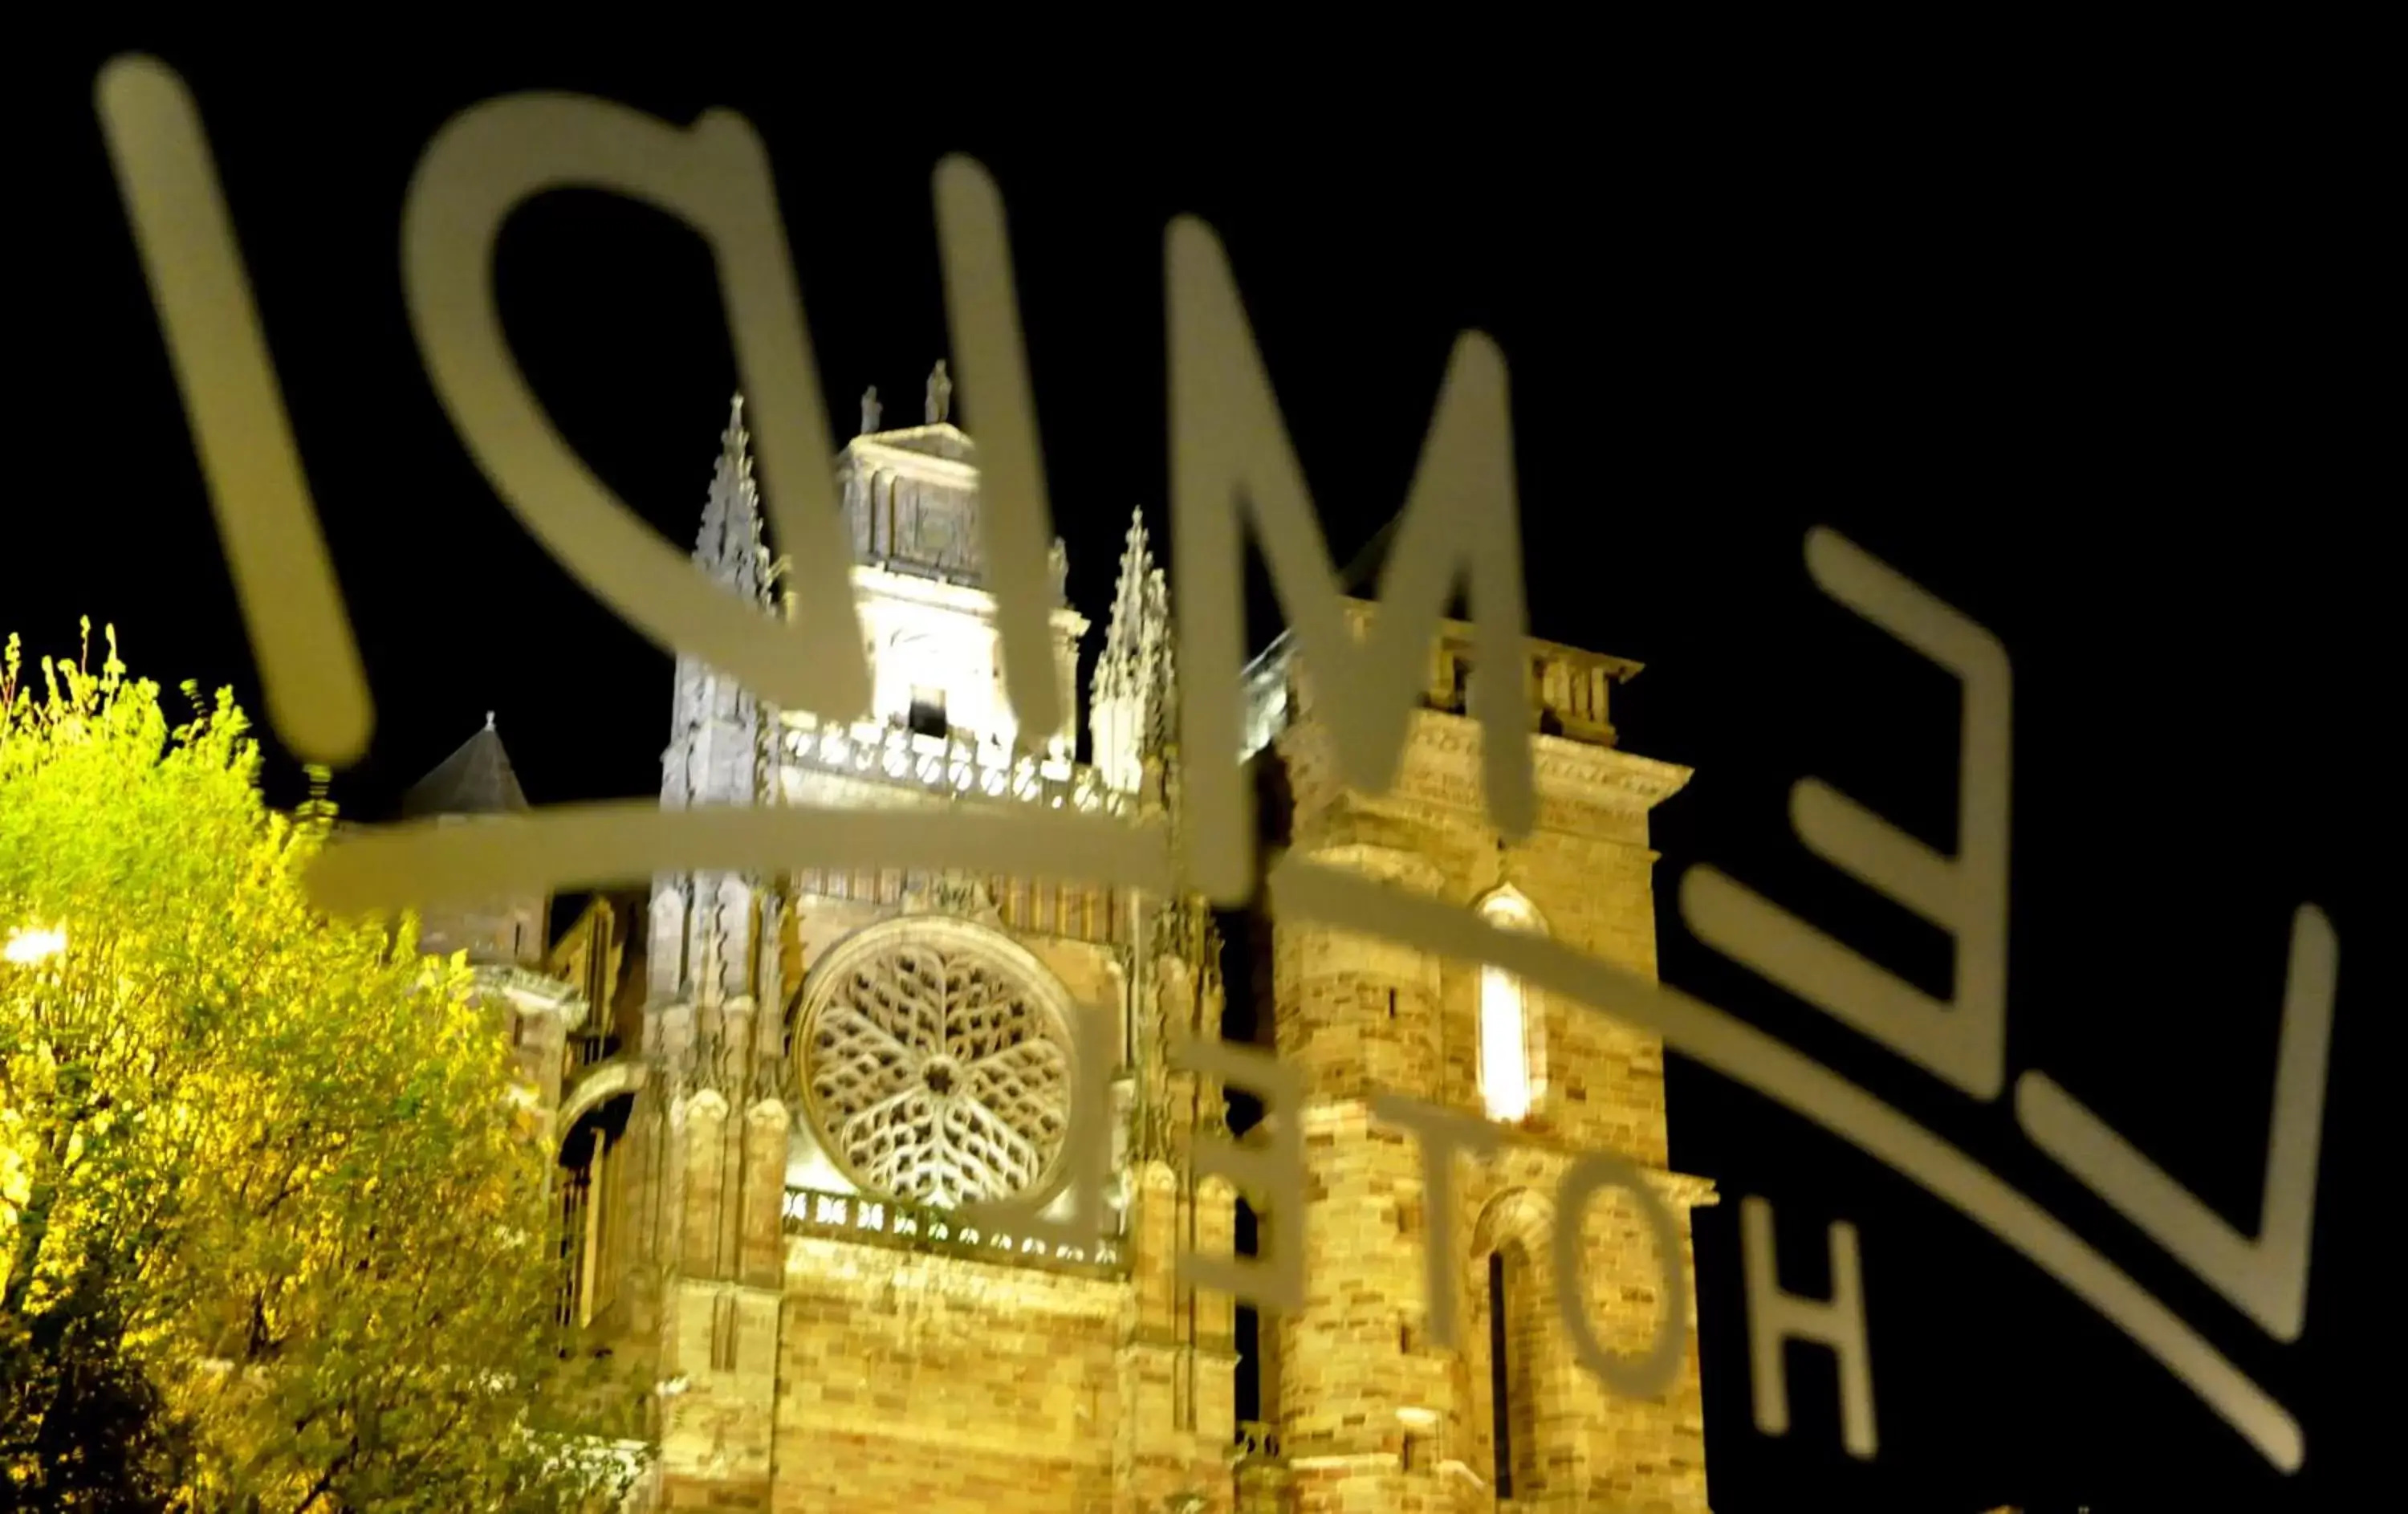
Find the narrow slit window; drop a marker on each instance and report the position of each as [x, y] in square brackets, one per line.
[1510, 1028]
[1500, 1381]
[1504, 1057]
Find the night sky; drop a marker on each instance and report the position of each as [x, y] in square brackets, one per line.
[2091, 372]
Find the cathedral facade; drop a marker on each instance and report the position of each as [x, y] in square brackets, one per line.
[772, 1097]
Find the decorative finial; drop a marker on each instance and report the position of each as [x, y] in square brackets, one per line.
[870, 410]
[940, 395]
[489, 720]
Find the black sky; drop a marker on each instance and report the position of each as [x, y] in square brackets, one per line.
[2098, 375]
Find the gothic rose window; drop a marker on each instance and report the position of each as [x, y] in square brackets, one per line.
[936, 1067]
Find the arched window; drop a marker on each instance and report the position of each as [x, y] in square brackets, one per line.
[1516, 1464]
[1501, 1378]
[591, 1223]
[1511, 1032]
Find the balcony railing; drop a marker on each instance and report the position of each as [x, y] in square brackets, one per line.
[907, 1226]
[956, 765]
[1569, 688]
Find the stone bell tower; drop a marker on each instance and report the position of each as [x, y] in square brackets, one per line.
[927, 1363]
[837, 1064]
[1370, 1411]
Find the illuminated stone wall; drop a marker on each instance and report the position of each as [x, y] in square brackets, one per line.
[493, 932]
[805, 1347]
[1360, 1016]
[867, 1372]
[900, 1360]
[932, 1384]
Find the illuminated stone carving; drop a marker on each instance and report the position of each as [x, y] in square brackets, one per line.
[939, 408]
[936, 1064]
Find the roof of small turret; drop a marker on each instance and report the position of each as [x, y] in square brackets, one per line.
[477, 779]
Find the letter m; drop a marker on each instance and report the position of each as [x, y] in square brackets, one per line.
[1230, 451]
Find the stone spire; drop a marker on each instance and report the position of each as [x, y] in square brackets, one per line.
[730, 547]
[1131, 694]
[719, 754]
[707, 1141]
[1120, 665]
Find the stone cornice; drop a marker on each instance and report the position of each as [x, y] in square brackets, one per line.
[534, 992]
[1574, 769]
[1442, 770]
[973, 600]
[873, 453]
[835, 1261]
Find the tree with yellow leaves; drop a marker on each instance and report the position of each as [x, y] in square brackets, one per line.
[268, 1238]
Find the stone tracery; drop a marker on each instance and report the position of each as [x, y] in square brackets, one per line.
[935, 1067]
